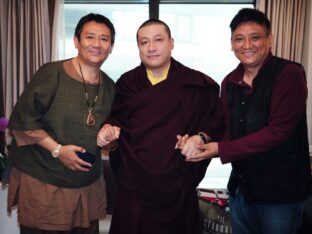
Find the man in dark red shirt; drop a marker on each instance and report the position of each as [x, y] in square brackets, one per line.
[264, 101]
[154, 102]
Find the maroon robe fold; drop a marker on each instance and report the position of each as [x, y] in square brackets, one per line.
[157, 187]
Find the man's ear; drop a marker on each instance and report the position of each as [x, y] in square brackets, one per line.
[172, 43]
[76, 42]
[111, 49]
[231, 44]
[270, 40]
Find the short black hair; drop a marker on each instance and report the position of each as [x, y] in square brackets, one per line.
[151, 22]
[101, 19]
[250, 15]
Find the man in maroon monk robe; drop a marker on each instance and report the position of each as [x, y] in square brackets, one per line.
[154, 103]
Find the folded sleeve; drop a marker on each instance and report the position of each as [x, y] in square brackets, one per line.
[35, 100]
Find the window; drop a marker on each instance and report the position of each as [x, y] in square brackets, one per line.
[201, 33]
[202, 36]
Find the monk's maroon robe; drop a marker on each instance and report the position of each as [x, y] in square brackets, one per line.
[157, 187]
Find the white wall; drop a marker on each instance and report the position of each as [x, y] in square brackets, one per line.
[8, 224]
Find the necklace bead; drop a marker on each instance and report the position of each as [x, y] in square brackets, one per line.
[90, 120]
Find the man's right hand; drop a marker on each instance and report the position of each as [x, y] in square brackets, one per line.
[107, 135]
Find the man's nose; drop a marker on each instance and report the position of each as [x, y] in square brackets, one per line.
[151, 46]
[247, 43]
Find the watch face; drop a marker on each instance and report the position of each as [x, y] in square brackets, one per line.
[55, 153]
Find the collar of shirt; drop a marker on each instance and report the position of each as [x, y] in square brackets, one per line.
[155, 80]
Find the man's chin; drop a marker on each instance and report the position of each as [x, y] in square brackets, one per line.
[97, 62]
[152, 65]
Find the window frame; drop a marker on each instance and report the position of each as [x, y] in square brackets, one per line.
[154, 4]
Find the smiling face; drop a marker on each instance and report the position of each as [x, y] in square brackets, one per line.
[155, 46]
[94, 44]
[251, 44]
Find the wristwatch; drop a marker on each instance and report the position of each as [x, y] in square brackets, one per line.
[56, 152]
[203, 137]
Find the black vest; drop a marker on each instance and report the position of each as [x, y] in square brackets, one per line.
[282, 174]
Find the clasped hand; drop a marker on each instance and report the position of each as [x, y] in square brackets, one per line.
[194, 150]
[107, 136]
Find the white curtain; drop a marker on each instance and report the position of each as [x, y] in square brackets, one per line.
[26, 43]
[288, 20]
[26, 40]
[58, 32]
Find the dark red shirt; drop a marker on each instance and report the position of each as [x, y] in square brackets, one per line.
[289, 97]
[159, 185]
